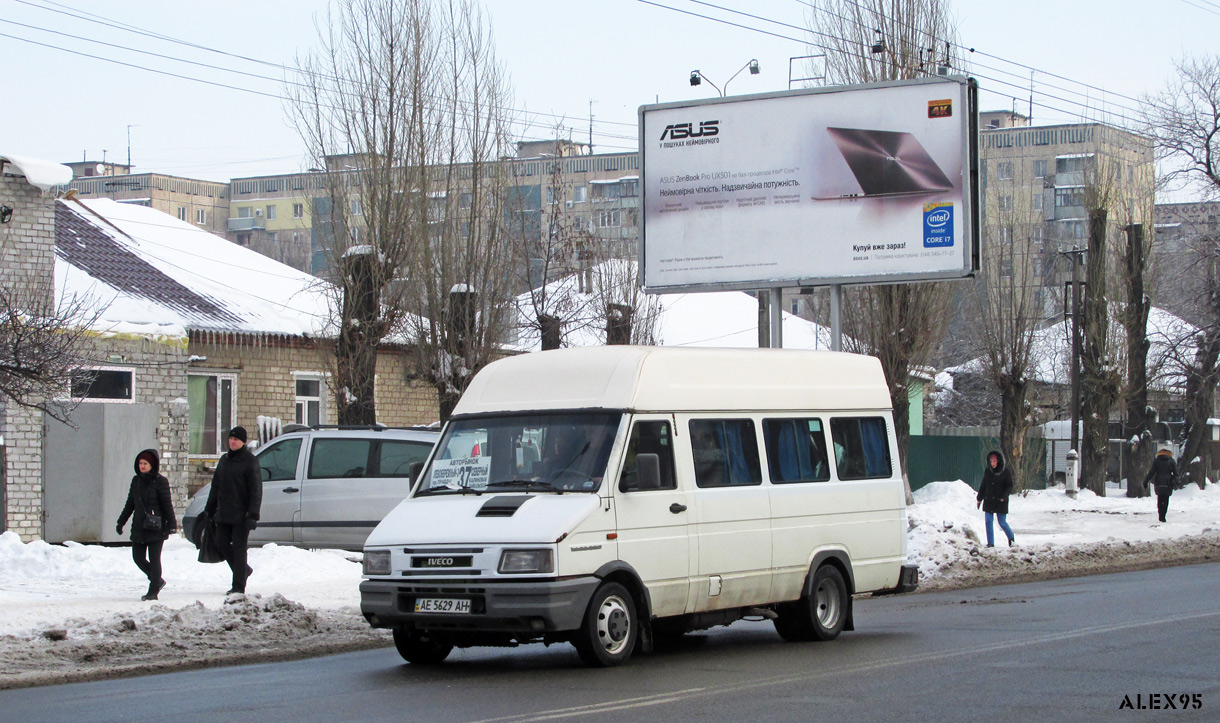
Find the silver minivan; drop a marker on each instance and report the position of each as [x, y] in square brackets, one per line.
[328, 486]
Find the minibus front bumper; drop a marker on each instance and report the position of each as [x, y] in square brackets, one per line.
[531, 607]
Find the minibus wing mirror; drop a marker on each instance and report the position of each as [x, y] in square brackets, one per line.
[414, 470]
[648, 471]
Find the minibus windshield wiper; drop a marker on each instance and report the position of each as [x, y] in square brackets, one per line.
[526, 484]
[446, 488]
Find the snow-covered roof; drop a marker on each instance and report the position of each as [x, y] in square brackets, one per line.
[1053, 345]
[155, 275]
[38, 172]
[711, 319]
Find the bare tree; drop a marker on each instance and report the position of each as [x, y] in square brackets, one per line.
[403, 104]
[901, 324]
[1008, 310]
[44, 340]
[1184, 121]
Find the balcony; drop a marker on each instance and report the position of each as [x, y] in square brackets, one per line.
[247, 224]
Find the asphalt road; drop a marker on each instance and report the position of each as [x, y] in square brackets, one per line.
[1072, 649]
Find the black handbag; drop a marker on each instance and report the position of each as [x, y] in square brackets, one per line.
[153, 522]
[208, 550]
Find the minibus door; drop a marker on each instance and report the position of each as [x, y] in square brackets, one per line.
[655, 516]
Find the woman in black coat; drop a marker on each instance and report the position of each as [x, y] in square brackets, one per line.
[149, 492]
[994, 490]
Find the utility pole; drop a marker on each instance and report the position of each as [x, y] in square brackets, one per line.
[129, 127]
[1075, 258]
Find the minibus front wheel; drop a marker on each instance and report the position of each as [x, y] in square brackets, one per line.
[418, 648]
[610, 628]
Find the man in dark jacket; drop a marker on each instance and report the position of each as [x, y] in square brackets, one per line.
[993, 494]
[1165, 473]
[234, 502]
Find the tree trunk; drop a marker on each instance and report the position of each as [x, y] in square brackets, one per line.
[359, 341]
[1137, 455]
[1200, 396]
[1097, 383]
[1013, 426]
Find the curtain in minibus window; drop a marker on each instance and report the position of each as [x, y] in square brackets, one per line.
[725, 452]
[861, 447]
[796, 450]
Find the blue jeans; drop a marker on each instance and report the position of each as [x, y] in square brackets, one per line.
[1003, 526]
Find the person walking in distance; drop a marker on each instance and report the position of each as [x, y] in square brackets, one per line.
[149, 500]
[993, 495]
[1163, 475]
[233, 503]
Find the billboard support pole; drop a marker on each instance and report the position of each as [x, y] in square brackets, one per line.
[836, 317]
[777, 322]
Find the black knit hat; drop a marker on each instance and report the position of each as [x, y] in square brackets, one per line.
[239, 432]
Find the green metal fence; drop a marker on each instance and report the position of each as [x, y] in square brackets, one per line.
[934, 458]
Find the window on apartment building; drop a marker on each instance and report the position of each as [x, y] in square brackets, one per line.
[309, 409]
[298, 210]
[1072, 164]
[631, 187]
[270, 211]
[1005, 203]
[182, 213]
[580, 194]
[243, 239]
[465, 200]
[357, 207]
[245, 211]
[1040, 169]
[1003, 170]
[609, 219]
[1037, 199]
[550, 196]
[102, 384]
[1071, 196]
[605, 191]
[271, 236]
[201, 215]
[213, 412]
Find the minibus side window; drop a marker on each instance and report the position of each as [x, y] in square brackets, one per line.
[649, 437]
[796, 450]
[862, 448]
[725, 452]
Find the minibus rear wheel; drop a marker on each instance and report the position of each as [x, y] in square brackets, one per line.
[610, 628]
[821, 614]
[418, 648]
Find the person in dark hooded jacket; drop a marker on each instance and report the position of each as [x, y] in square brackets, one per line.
[993, 495]
[149, 492]
[234, 503]
[1164, 475]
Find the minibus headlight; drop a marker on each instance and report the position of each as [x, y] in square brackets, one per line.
[376, 562]
[518, 562]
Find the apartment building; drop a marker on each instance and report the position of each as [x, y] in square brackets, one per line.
[204, 204]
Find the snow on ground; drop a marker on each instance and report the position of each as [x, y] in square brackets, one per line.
[73, 612]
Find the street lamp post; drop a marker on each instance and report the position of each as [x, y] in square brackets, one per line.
[697, 77]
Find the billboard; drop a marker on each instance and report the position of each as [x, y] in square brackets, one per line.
[845, 185]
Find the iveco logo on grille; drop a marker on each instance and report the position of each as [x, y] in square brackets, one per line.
[428, 562]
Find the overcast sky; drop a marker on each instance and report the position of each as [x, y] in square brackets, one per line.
[64, 103]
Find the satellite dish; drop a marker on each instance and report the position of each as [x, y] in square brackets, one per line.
[100, 168]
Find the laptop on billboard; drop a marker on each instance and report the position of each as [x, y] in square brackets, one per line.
[888, 163]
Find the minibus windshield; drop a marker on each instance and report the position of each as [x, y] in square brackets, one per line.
[565, 452]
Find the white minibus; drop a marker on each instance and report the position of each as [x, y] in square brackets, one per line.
[615, 495]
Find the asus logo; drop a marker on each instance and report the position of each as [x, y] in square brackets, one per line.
[678, 131]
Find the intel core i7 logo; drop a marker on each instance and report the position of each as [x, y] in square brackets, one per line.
[937, 225]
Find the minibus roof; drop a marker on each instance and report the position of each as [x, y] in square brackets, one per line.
[676, 379]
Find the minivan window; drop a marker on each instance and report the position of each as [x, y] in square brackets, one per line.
[339, 458]
[395, 458]
[279, 460]
[538, 452]
[796, 450]
[649, 437]
[862, 448]
[725, 452]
